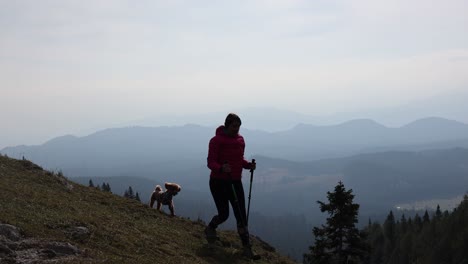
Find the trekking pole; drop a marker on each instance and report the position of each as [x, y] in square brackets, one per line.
[236, 201]
[250, 191]
[250, 254]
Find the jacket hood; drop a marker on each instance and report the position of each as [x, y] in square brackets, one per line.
[220, 131]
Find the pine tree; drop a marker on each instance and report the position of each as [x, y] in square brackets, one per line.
[438, 213]
[376, 239]
[426, 218]
[417, 223]
[130, 193]
[106, 187]
[389, 230]
[339, 241]
[91, 184]
[446, 214]
[137, 197]
[389, 227]
[403, 225]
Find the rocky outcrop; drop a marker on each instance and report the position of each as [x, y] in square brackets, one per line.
[14, 248]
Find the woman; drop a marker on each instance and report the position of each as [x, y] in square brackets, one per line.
[226, 161]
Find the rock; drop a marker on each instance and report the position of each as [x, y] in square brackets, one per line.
[62, 249]
[10, 232]
[15, 249]
[5, 250]
[8, 243]
[48, 253]
[78, 232]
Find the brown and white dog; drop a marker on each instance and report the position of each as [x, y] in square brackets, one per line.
[165, 198]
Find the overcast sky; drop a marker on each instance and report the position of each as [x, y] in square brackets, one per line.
[70, 66]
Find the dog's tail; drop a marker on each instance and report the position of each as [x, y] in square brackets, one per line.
[172, 186]
[158, 188]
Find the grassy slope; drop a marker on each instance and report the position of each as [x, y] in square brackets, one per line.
[44, 205]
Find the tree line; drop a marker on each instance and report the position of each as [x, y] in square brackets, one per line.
[440, 238]
[128, 193]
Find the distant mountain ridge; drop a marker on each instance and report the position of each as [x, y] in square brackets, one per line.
[308, 159]
[379, 180]
[450, 104]
[118, 147]
[310, 142]
[179, 153]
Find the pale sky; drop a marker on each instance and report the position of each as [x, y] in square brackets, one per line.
[71, 66]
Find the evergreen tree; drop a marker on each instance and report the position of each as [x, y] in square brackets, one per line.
[137, 197]
[389, 230]
[339, 241]
[426, 218]
[405, 248]
[376, 239]
[106, 187]
[389, 227]
[131, 195]
[446, 213]
[438, 213]
[91, 184]
[403, 224]
[417, 223]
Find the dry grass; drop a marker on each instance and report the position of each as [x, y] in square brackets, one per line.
[45, 205]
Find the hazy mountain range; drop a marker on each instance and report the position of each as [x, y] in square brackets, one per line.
[450, 105]
[359, 150]
[426, 159]
[188, 143]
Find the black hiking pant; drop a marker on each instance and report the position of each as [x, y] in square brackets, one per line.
[222, 192]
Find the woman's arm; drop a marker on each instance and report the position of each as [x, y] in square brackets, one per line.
[213, 155]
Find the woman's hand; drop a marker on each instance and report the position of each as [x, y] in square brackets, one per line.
[252, 165]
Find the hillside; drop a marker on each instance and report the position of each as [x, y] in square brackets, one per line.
[60, 221]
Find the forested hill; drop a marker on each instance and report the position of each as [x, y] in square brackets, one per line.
[46, 218]
[440, 238]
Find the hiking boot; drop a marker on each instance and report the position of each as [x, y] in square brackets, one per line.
[210, 234]
[249, 253]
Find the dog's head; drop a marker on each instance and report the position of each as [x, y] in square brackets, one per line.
[158, 188]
